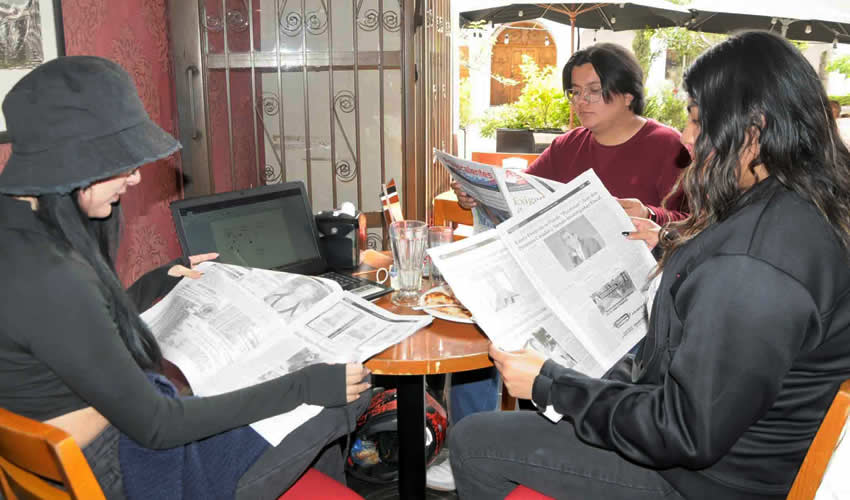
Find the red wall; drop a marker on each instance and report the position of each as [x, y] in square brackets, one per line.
[134, 33]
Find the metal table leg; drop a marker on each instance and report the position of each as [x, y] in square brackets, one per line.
[411, 435]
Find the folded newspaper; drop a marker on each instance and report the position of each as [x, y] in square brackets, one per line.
[558, 276]
[501, 193]
[237, 326]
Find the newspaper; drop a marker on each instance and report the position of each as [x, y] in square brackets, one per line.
[501, 193]
[559, 278]
[237, 326]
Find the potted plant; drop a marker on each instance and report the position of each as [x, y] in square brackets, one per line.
[541, 107]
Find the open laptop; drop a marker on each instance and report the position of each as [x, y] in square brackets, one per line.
[269, 227]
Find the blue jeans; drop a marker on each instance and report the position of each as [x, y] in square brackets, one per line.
[493, 452]
[472, 392]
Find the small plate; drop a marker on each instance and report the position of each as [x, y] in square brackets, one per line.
[447, 312]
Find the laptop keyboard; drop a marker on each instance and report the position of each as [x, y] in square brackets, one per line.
[358, 286]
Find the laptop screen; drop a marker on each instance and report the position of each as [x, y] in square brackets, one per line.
[269, 227]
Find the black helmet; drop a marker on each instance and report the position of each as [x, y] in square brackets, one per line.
[374, 451]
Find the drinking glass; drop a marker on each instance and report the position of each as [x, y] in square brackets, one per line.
[408, 239]
[438, 235]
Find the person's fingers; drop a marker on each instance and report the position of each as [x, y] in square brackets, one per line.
[467, 202]
[650, 238]
[646, 231]
[353, 368]
[355, 372]
[197, 259]
[633, 207]
[496, 353]
[179, 271]
[644, 224]
[353, 392]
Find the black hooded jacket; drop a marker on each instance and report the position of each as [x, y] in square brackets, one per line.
[748, 342]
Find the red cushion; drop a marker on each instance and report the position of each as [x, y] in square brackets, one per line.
[523, 493]
[313, 484]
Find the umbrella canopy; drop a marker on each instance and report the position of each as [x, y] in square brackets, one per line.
[616, 16]
[811, 20]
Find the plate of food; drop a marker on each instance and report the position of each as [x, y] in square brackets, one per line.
[441, 303]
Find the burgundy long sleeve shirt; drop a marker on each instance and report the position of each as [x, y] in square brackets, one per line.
[645, 167]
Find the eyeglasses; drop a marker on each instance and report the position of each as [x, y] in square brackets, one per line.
[590, 95]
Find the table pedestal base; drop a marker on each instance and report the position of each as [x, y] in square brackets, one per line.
[411, 436]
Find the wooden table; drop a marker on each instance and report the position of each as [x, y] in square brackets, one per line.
[441, 347]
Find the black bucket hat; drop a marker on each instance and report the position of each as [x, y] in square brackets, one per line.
[73, 121]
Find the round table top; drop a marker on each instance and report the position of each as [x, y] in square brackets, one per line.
[441, 347]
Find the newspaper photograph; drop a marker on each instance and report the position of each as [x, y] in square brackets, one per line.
[511, 311]
[575, 282]
[237, 326]
[571, 245]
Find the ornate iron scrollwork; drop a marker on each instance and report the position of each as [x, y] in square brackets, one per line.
[344, 101]
[374, 241]
[271, 104]
[236, 19]
[345, 171]
[292, 22]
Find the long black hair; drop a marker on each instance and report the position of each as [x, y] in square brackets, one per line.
[96, 241]
[618, 70]
[756, 86]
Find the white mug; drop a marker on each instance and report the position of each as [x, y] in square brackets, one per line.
[390, 274]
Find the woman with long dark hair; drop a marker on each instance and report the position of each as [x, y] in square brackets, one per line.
[73, 349]
[749, 334]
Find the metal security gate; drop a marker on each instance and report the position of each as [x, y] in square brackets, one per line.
[435, 49]
[322, 91]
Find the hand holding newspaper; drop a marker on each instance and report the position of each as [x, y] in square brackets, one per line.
[559, 277]
[501, 193]
[237, 326]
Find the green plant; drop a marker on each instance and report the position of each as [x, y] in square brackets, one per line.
[642, 47]
[465, 103]
[844, 100]
[541, 104]
[841, 65]
[667, 107]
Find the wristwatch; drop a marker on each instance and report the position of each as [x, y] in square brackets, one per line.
[652, 215]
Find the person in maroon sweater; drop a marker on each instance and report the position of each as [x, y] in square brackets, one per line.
[638, 159]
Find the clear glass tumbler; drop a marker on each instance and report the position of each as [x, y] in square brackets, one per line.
[408, 239]
[437, 236]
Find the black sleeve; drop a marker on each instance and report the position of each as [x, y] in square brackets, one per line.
[80, 342]
[154, 284]
[743, 323]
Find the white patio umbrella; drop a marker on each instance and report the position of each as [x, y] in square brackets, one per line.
[616, 16]
[811, 20]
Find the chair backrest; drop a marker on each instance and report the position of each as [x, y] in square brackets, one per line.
[32, 454]
[497, 158]
[447, 212]
[817, 458]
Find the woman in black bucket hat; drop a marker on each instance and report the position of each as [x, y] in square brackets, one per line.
[73, 350]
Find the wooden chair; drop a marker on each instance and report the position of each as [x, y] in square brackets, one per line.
[497, 158]
[814, 465]
[34, 453]
[31, 453]
[447, 212]
[817, 458]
